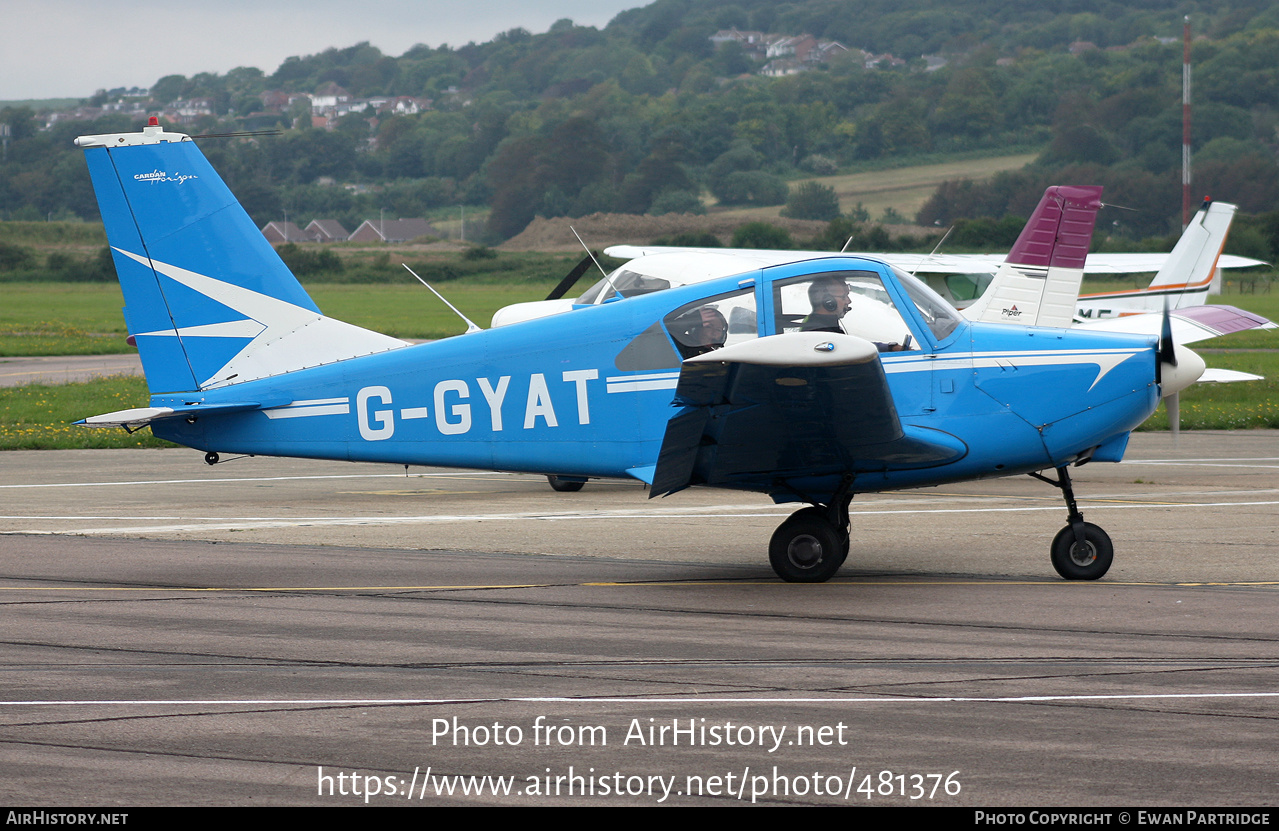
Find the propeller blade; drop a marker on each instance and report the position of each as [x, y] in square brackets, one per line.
[570, 279]
[1173, 403]
[1167, 347]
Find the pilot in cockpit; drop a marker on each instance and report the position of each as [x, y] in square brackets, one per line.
[831, 301]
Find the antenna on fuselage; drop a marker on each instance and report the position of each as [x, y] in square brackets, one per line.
[470, 324]
[591, 254]
[933, 253]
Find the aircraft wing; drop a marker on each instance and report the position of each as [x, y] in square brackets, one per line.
[936, 263]
[1191, 324]
[789, 406]
[1143, 263]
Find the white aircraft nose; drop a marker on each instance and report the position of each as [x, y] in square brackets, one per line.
[1176, 378]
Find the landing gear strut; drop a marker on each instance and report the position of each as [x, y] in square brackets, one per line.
[811, 545]
[1081, 550]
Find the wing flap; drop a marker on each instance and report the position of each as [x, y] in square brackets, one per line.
[762, 423]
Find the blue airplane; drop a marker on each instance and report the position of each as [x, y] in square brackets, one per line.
[810, 381]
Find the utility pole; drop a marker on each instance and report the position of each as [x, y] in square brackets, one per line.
[1185, 126]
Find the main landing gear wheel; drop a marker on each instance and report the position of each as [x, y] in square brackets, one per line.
[819, 514]
[807, 548]
[211, 458]
[564, 485]
[1086, 560]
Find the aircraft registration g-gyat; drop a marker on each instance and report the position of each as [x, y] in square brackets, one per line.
[810, 381]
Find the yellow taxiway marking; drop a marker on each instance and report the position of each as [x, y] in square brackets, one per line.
[214, 589]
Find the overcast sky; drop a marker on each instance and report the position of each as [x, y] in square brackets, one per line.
[71, 48]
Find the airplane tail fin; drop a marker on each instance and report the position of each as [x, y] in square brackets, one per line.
[207, 300]
[1038, 283]
[1188, 273]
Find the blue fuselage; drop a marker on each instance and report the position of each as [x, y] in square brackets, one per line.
[549, 396]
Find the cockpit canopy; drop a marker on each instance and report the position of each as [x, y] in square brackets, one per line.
[656, 272]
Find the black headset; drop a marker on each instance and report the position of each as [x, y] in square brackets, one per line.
[827, 300]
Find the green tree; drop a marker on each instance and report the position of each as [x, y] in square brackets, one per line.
[752, 187]
[761, 235]
[677, 202]
[812, 200]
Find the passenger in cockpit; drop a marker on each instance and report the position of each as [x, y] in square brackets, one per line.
[699, 331]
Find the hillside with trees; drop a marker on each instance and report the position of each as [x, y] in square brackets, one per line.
[665, 109]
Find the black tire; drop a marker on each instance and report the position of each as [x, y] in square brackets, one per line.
[1089, 560]
[564, 485]
[819, 514]
[211, 458]
[807, 548]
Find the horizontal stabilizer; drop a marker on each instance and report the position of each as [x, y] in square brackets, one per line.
[1188, 325]
[141, 416]
[130, 419]
[1212, 375]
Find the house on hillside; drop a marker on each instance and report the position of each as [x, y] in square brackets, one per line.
[328, 98]
[186, 111]
[393, 230]
[326, 230]
[278, 232]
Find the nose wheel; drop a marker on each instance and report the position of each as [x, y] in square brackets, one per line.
[1081, 550]
[1086, 559]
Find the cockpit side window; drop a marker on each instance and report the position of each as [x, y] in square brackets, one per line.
[695, 329]
[848, 302]
[710, 323]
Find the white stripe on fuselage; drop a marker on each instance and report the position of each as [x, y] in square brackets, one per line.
[640, 383]
[1104, 359]
[312, 407]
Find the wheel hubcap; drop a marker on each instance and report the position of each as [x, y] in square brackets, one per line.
[805, 551]
[1083, 554]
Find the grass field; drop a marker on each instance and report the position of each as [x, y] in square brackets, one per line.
[903, 189]
[1236, 406]
[62, 319]
[40, 417]
[85, 318]
[61, 236]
